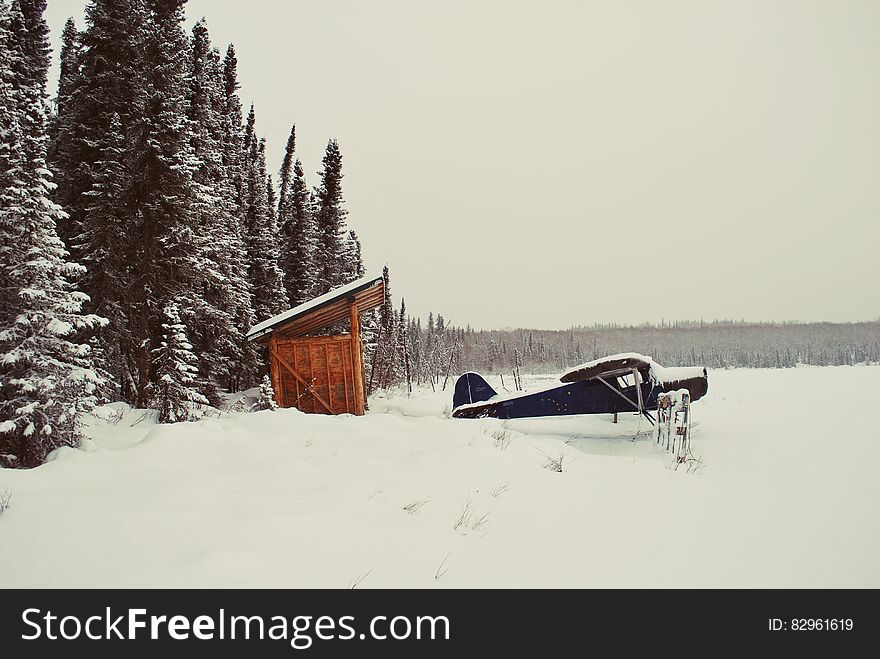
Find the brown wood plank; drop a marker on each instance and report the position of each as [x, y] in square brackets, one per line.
[284, 341]
[329, 379]
[348, 403]
[299, 377]
[295, 381]
[319, 376]
[277, 382]
[357, 366]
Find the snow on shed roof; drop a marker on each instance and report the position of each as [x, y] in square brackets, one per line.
[305, 309]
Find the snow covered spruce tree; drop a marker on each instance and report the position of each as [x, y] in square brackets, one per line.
[46, 373]
[100, 76]
[218, 332]
[170, 264]
[378, 352]
[266, 401]
[177, 396]
[99, 99]
[70, 57]
[296, 226]
[333, 266]
[237, 258]
[261, 230]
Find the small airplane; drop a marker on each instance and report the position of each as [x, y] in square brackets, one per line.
[627, 382]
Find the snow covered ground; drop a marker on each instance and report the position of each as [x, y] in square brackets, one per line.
[787, 496]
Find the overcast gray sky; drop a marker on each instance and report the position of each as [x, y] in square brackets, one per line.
[552, 163]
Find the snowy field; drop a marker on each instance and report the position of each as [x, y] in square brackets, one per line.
[787, 496]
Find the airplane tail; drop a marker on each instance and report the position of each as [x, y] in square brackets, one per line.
[471, 388]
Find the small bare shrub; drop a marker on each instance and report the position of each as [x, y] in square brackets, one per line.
[553, 463]
[5, 498]
[466, 521]
[693, 464]
[114, 416]
[501, 437]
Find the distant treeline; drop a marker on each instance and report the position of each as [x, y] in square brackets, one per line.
[718, 344]
[437, 350]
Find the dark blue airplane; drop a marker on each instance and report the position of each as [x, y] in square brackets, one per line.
[615, 384]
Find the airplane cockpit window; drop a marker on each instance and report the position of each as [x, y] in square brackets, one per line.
[625, 381]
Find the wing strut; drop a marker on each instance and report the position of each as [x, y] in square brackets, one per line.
[638, 407]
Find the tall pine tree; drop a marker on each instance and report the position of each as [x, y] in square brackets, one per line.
[296, 227]
[238, 259]
[46, 374]
[99, 101]
[261, 230]
[218, 330]
[332, 266]
[169, 265]
[177, 397]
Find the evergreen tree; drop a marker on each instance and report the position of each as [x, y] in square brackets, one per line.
[296, 227]
[267, 279]
[169, 264]
[237, 255]
[285, 176]
[266, 401]
[30, 64]
[379, 353]
[102, 69]
[331, 257]
[401, 366]
[100, 95]
[101, 241]
[354, 259]
[46, 375]
[70, 55]
[233, 148]
[177, 396]
[218, 329]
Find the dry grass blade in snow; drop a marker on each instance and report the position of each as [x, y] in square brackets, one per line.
[464, 519]
[442, 569]
[416, 506]
[481, 523]
[354, 583]
[5, 498]
[498, 490]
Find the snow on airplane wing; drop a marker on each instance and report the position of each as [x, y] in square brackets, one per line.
[622, 362]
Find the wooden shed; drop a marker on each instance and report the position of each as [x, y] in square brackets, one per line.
[321, 374]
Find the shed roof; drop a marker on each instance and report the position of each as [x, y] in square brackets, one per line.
[328, 309]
